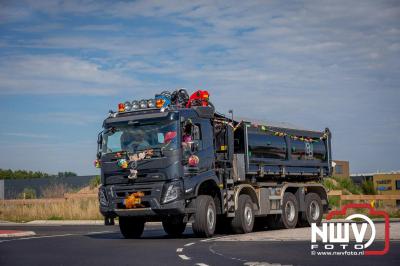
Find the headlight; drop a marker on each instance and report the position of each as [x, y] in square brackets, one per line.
[172, 191]
[103, 198]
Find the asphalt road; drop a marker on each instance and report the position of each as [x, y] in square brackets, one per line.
[101, 245]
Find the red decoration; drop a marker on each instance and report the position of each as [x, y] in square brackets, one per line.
[193, 160]
[199, 98]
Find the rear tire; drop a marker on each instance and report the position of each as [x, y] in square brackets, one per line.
[131, 227]
[313, 212]
[290, 210]
[174, 226]
[243, 221]
[205, 218]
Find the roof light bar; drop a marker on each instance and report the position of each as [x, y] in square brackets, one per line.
[136, 105]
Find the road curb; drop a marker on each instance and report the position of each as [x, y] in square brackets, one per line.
[66, 222]
[16, 233]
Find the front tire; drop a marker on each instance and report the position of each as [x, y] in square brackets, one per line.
[205, 218]
[131, 227]
[290, 210]
[174, 227]
[243, 221]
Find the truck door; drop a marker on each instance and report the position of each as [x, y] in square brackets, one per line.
[223, 142]
[202, 136]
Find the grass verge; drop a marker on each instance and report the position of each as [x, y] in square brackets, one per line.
[72, 209]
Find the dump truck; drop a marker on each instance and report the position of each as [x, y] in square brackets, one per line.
[174, 159]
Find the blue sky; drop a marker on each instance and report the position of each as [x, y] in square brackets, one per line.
[64, 64]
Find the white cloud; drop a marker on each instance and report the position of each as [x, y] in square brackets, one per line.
[58, 74]
[314, 63]
[26, 135]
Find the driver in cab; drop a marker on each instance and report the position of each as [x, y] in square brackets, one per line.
[134, 141]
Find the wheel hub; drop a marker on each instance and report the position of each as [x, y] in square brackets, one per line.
[248, 215]
[314, 210]
[290, 211]
[210, 218]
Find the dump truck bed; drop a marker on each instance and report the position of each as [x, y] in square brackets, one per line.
[280, 152]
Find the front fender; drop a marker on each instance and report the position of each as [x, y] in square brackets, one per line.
[192, 183]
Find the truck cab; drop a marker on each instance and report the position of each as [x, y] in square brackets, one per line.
[182, 157]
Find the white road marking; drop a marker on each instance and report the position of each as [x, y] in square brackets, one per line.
[201, 264]
[179, 249]
[100, 232]
[184, 257]
[189, 244]
[210, 248]
[213, 238]
[35, 237]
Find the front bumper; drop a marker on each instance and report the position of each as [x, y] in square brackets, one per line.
[151, 200]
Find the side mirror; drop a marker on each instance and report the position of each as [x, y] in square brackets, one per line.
[100, 139]
[194, 145]
[191, 147]
[99, 144]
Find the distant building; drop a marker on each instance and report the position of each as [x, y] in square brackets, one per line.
[341, 169]
[384, 183]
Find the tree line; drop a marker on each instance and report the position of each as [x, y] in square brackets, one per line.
[26, 174]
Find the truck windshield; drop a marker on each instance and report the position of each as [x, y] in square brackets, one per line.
[137, 136]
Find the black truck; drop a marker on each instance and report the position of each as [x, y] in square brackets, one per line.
[176, 160]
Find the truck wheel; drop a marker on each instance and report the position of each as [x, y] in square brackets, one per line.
[313, 212]
[274, 221]
[131, 227]
[243, 221]
[205, 217]
[174, 227]
[290, 210]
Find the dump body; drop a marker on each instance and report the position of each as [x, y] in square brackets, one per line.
[283, 153]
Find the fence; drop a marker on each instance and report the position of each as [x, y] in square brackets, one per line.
[68, 196]
[361, 197]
